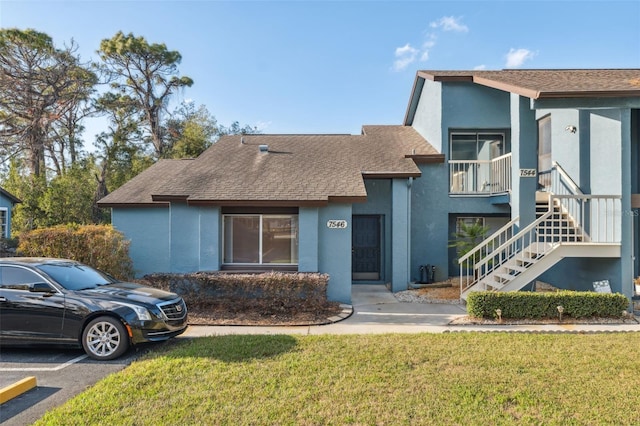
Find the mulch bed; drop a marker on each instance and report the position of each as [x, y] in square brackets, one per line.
[239, 313]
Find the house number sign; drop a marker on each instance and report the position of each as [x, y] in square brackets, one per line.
[527, 172]
[336, 224]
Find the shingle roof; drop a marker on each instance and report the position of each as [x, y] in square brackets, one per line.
[550, 83]
[10, 196]
[296, 170]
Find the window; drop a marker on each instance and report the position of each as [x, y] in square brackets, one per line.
[544, 153]
[17, 278]
[4, 223]
[476, 161]
[463, 223]
[260, 239]
[478, 146]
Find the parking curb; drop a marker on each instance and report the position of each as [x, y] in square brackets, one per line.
[16, 389]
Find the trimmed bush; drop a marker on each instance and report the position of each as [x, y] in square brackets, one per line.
[279, 291]
[530, 305]
[99, 246]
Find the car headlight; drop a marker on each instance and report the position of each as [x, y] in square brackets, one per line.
[142, 313]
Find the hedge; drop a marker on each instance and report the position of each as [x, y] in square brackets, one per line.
[99, 246]
[280, 291]
[529, 305]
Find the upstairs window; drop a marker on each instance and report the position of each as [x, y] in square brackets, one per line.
[478, 146]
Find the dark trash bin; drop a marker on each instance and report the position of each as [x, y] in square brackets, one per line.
[427, 274]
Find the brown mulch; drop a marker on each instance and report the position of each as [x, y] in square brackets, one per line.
[256, 314]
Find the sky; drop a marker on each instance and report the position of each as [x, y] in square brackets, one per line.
[326, 67]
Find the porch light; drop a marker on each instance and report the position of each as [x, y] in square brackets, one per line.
[571, 128]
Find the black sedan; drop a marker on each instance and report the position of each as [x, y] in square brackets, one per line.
[63, 302]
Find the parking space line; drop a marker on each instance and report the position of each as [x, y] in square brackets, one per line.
[57, 368]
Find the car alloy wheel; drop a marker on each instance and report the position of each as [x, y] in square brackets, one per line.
[105, 338]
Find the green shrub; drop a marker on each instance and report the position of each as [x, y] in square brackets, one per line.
[280, 291]
[99, 246]
[529, 305]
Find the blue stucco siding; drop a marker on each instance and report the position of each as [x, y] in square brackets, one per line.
[308, 223]
[334, 251]
[430, 228]
[400, 233]
[147, 229]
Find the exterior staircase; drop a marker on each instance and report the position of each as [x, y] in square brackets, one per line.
[570, 224]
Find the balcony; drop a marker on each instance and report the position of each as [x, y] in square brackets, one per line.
[480, 177]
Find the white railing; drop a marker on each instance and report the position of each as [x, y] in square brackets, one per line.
[597, 216]
[480, 176]
[490, 245]
[586, 219]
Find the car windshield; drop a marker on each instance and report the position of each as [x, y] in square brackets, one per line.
[75, 276]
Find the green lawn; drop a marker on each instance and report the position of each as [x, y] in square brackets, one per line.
[442, 379]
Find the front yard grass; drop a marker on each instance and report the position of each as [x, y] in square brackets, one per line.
[441, 379]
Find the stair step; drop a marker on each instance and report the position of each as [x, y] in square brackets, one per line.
[505, 277]
[514, 267]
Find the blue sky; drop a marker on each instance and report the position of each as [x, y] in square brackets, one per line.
[330, 66]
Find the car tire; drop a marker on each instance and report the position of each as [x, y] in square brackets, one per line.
[105, 338]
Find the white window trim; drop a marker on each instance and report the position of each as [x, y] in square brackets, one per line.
[4, 227]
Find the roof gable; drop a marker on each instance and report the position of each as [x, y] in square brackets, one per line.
[8, 195]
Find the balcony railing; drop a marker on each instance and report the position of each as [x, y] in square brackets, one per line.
[480, 176]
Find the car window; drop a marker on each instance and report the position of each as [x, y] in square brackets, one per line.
[12, 277]
[75, 276]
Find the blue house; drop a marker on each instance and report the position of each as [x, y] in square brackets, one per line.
[546, 160]
[7, 201]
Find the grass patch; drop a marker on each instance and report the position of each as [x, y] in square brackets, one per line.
[462, 378]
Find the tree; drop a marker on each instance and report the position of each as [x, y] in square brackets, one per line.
[39, 84]
[146, 74]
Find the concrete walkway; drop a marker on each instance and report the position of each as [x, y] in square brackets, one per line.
[375, 310]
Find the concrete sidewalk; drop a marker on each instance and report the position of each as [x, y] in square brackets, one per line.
[376, 310]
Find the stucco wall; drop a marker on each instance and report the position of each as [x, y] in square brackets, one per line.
[148, 231]
[443, 107]
[334, 251]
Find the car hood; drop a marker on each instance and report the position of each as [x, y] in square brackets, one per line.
[133, 292]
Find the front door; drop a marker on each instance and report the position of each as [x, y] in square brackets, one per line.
[366, 247]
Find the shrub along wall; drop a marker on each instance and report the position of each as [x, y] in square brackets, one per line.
[279, 290]
[99, 246]
[523, 304]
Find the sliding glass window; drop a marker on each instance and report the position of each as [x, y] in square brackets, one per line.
[260, 239]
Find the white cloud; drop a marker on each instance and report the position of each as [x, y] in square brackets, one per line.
[480, 67]
[263, 125]
[517, 57]
[450, 23]
[405, 56]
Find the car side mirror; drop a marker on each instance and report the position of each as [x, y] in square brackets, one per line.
[41, 288]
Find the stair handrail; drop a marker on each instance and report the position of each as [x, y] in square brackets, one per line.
[487, 241]
[482, 267]
[563, 175]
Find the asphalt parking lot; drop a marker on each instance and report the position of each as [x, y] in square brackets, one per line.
[60, 375]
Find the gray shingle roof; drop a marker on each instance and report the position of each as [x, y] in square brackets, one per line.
[551, 83]
[296, 170]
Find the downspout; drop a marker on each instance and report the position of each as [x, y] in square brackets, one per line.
[409, 185]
